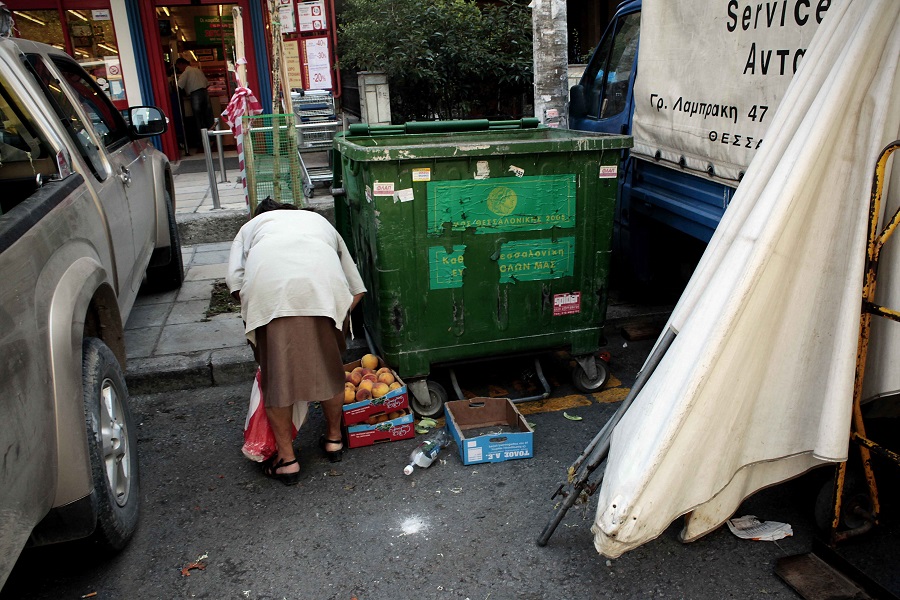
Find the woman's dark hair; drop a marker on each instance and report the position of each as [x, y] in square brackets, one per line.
[269, 204]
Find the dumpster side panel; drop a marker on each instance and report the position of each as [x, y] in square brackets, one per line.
[487, 253]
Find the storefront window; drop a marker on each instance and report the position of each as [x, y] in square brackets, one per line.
[94, 44]
[91, 40]
[41, 26]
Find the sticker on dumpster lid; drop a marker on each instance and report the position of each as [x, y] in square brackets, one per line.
[609, 171]
[566, 304]
[383, 188]
[421, 174]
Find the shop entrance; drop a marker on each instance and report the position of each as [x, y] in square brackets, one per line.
[196, 44]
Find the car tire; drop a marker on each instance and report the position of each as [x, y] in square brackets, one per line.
[168, 276]
[112, 442]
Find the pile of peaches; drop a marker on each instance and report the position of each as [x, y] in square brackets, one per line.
[367, 381]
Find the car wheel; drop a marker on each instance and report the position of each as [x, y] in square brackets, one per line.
[168, 276]
[112, 441]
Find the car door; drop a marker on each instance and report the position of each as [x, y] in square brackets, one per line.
[109, 156]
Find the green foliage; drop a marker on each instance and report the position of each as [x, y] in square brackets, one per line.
[443, 58]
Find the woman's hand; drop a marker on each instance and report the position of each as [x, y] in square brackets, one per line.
[356, 300]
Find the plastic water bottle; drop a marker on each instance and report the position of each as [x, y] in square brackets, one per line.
[427, 451]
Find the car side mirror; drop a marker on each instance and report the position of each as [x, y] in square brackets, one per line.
[147, 121]
[577, 104]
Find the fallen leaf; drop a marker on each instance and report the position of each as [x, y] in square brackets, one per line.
[185, 570]
[571, 417]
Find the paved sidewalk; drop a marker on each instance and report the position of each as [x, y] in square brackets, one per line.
[170, 341]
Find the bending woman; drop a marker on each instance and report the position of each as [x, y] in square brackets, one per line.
[295, 280]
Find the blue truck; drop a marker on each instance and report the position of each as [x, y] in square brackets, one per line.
[712, 74]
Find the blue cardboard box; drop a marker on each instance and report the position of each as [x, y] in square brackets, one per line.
[488, 430]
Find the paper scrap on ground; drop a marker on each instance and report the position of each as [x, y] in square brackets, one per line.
[751, 528]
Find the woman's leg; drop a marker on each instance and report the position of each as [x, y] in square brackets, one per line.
[280, 419]
[333, 409]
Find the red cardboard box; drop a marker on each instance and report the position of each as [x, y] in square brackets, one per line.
[363, 434]
[394, 401]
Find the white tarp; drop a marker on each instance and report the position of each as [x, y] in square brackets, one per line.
[756, 388]
[711, 74]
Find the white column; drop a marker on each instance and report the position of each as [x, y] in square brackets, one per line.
[126, 53]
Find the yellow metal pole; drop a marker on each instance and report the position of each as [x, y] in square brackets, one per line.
[874, 244]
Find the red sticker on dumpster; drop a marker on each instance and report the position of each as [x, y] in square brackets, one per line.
[566, 304]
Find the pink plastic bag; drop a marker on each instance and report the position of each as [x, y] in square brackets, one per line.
[259, 441]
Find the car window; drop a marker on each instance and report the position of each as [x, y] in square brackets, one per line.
[608, 75]
[621, 60]
[24, 153]
[106, 122]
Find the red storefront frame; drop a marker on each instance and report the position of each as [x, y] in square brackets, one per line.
[158, 78]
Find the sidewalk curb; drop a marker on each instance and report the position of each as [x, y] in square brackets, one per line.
[230, 366]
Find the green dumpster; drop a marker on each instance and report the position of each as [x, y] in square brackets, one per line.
[490, 240]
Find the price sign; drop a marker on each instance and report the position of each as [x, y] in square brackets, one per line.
[311, 15]
[317, 63]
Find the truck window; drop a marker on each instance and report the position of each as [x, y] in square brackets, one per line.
[106, 122]
[23, 153]
[607, 78]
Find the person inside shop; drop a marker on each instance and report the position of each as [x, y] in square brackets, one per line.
[296, 283]
[193, 83]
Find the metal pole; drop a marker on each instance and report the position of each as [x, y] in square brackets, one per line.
[210, 169]
[596, 452]
[218, 134]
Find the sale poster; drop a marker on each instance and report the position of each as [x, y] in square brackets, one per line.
[317, 61]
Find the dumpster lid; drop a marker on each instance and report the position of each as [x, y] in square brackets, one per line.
[476, 143]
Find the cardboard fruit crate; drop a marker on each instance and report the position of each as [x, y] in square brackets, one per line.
[361, 411]
[391, 430]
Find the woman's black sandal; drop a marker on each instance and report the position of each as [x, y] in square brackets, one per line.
[332, 455]
[270, 469]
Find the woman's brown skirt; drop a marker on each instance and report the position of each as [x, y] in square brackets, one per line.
[300, 360]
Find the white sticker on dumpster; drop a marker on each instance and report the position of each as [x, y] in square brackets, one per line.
[421, 174]
[404, 195]
[609, 171]
[383, 188]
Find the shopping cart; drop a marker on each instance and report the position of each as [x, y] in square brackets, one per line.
[316, 126]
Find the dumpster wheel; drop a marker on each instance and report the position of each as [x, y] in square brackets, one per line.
[589, 382]
[431, 406]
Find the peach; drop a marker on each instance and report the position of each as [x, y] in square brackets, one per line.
[395, 386]
[381, 418]
[369, 361]
[371, 420]
[354, 377]
[370, 377]
[366, 384]
[386, 378]
[394, 415]
[349, 395]
[383, 370]
[379, 390]
[363, 394]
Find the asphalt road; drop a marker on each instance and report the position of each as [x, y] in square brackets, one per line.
[361, 529]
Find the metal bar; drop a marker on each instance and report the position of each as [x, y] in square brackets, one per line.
[877, 448]
[881, 311]
[210, 170]
[224, 177]
[875, 241]
[649, 367]
[455, 384]
[594, 456]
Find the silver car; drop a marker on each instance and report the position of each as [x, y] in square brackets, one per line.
[86, 214]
